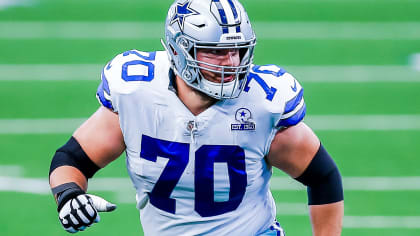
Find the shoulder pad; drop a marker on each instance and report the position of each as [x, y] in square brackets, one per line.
[123, 74]
[283, 94]
[294, 105]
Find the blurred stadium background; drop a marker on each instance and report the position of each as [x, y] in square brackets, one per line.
[358, 60]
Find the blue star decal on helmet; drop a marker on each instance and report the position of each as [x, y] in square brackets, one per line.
[181, 12]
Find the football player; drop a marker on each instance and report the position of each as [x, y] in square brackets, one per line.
[202, 128]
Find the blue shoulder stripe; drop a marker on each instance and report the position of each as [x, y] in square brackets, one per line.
[105, 83]
[102, 89]
[293, 120]
[294, 102]
[100, 93]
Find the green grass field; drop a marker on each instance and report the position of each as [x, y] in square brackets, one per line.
[363, 47]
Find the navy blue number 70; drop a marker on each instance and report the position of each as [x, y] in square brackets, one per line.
[205, 157]
[144, 62]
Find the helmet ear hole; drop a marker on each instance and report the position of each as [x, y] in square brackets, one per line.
[183, 43]
[187, 75]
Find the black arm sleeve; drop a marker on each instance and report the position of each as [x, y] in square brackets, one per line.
[323, 179]
[72, 154]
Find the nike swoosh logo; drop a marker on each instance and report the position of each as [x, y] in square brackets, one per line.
[294, 87]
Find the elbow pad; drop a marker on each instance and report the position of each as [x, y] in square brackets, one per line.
[323, 179]
[72, 154]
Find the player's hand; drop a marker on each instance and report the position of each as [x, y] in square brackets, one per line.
[82, 211]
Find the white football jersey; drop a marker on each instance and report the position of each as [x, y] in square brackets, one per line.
[204, 174]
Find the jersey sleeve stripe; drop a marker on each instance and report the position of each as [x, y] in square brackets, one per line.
[105, 83]
[287, 115]
[294, 102]
[103, 93]
[294, 119]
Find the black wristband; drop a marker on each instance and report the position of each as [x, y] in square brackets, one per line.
[66, 192]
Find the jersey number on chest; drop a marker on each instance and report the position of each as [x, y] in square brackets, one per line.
[205, 157]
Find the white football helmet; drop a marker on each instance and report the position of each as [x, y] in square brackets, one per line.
[211, 24]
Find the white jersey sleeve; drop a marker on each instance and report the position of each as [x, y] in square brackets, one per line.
[284, 95]
[123, 74]
[294, 105]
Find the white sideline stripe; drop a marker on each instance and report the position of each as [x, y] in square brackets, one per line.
[264, 30]
[356, 183]
[338, 31]
[291, 209]
[4, 4]
[302, 209]
[411, 222]
[355, 73]
[125, 194]
[316, 122]
[123, 187]
[364, 122]
[11, 170]
[415, 61]
[24, 185]
[39, 126]
[328, 73]
[40, 185]
[50, 72]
